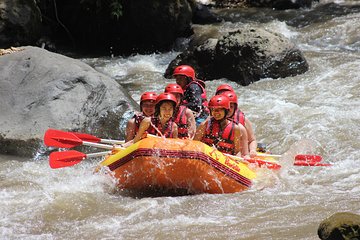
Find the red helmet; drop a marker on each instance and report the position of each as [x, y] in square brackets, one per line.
[224, 87]
[166, 97]
[174, 88]
[219, 101]
[148, 96]
[185, 70]
[231, 95]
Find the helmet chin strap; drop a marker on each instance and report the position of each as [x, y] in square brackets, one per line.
[233, 112]
[221, 120]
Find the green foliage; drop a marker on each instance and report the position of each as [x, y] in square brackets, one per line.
[116, 8]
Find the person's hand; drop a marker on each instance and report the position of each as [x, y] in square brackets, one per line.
[253, 153]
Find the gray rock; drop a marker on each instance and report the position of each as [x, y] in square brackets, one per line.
[342, 225]
[243, 56]
[41, 90]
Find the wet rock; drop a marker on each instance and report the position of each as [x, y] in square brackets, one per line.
[20, 23]
[340, 226]
[243, 56]
[281, 4]
[230, 3]
[41, 90]
[203, 15]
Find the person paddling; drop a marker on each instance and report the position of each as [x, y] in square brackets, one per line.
[218, 131]
[236, 115]
[147, 107]
[161, 124]
[183, 117]
[194, 92]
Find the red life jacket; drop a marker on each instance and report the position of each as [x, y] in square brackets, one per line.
[223, 141]
[138, 118]
[238, 117]
[166, 131]
[180, 119]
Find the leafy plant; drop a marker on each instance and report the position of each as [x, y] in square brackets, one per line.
[116, 9]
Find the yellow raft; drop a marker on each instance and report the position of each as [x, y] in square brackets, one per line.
[177, 164]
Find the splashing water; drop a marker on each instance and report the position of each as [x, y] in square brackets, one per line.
[316, 112]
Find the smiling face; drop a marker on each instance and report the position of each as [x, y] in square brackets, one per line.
[218, 113]
[148, 107]
[166, 110]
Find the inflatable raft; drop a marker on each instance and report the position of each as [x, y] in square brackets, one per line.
[177, 164]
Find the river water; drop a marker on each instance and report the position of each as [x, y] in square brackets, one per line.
[317, 112]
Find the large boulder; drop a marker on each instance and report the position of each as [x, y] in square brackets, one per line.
[41, 90]
[120, 26]
[20, 23]
[342, 225]
[245, 56]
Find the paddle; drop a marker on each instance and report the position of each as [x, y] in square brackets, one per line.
[299, 157]
[303, 159]
[311, 159]
[316, 164]
[259, 162]
[61, 139]
[91, 138]
[276, 166]
[308, 158]
[57, 138]
[70, 158]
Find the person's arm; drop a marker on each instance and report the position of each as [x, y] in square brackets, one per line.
[144, 125]
[190, 123]
[251, 138]
[243, 142]
[237, 141]
[130, 130]
[200, 132]
[175, 130]
[193, 97]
